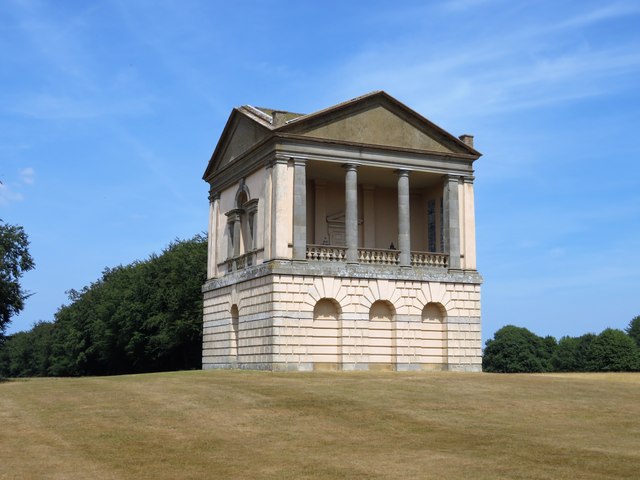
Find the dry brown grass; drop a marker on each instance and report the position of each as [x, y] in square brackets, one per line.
[258, 425]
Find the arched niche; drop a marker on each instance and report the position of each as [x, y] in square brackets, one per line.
[433, 312]
[382, 336]
[382, 311]
[326, 348]
[326, 309]
[433, 334]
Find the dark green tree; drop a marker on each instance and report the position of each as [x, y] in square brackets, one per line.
[613, 351]
[142, 317]
[572, 354]
[564, 358]
[14, 261]
[633, 330]
[515, 349]
[26, 354]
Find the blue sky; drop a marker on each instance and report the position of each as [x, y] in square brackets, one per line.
[109, 111]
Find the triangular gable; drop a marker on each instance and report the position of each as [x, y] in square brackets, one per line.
[241, 132]
[378, 119]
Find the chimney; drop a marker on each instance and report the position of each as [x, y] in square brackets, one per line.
[278, 118]
[467, 139]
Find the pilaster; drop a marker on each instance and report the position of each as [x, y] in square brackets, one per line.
[279, 209]
[212, 235]
[299, 210]
[268, 199]
[469, 222]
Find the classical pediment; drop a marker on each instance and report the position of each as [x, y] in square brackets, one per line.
[377, 119]
[241, 132]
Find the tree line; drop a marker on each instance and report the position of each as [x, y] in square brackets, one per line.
[518, 350]
[137, 318]
[147, 317]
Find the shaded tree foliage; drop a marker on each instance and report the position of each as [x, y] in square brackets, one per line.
[142, 317]
[633, 330]
[27, 354]
[572, 354]
[613, 351]
[516, 349]
[14, 261]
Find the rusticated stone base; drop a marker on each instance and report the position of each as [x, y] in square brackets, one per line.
[280, 327]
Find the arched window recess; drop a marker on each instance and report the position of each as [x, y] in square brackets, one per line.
[242, 226]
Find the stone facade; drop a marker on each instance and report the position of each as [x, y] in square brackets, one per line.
[342, 240]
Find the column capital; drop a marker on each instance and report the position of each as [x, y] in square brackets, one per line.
[278, 159]
[401, 172]
[299, 162]
[450, 178]
[350, 167]
[468, 179]
[251, 206]
[213, 196]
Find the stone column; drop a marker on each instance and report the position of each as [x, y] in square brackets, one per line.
[266, 241]
[279, 242]
[299, 210]
[212, 237]
[404, 219]
[452, 221]
[351, 212]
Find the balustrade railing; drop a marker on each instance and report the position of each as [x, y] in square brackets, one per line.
[368, 256]
[378, 256]
[326, 253]
[429, 259]
[241, 261]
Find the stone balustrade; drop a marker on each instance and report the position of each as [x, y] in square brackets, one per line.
[326, 253]
[240, 262]
[378, 256]
[429, 259]
[369, 256]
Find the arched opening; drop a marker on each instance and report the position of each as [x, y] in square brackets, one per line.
[382, 335]
[326, 351]
[234, 335]
[434, 334]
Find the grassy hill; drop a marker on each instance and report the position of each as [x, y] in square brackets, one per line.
[260, 425]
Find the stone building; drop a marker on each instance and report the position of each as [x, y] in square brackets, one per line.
[341, 239]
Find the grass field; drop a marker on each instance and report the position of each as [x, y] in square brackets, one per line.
[260, 425]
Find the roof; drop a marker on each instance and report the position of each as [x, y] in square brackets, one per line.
[256, 124]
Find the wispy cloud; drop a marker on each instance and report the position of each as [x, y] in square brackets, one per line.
[599, 14]
[522, 64]
[27, 175]
[11, 191]
[8, 195]
[463, 5]
[73, 81]
[63, 107]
